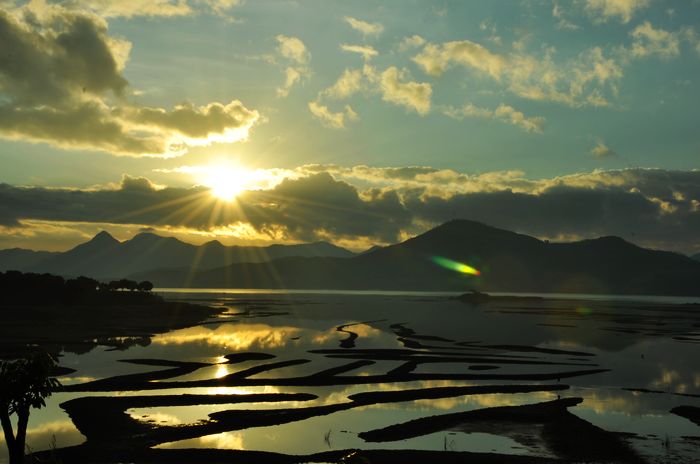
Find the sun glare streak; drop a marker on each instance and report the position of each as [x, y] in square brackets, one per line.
[455, 266]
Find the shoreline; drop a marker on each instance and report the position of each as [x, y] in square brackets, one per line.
[80, 328]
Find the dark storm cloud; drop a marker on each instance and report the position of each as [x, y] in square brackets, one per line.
[559, 210]
[61, 82]
[662, 209]
[302, 209]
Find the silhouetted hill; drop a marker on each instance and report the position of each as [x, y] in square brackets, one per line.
[508, 262]
[696, 257]
[104, 257]
[20, 259]
[370, 250]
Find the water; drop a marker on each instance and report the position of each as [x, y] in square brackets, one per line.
[642, 346]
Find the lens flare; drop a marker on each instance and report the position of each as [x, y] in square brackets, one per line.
[584, 311]
[455, 266]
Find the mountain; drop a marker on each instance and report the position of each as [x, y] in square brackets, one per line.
[371, 249]
[508, 262]
[696, 257]
[19, 259]
[104, 257]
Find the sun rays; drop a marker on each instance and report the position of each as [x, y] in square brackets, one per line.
[227, 180]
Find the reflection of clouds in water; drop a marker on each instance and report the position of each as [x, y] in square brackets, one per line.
[473, 401]
[238, 337]
[261, 336]
[76, 379]
[225, 440]
[674, 381]
[331, 335]
[364, 330]
[157, 418]
[41, 437]
[604, 402]
[242, 390]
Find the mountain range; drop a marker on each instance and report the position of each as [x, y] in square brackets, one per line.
[507, 261]
[104, 257]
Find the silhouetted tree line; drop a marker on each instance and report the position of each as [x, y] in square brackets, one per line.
[29, 288]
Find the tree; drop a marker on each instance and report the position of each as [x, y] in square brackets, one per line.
[24, 384]
[145, 286]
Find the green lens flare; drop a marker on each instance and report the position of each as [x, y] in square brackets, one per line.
[584, 311]
[455, 266]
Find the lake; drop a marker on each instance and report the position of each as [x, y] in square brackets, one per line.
[631, 360]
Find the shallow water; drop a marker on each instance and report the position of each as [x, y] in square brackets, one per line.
[648, 346]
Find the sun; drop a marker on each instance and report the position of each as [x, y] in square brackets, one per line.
[226, 181]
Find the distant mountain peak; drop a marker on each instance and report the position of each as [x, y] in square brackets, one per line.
[103, 237]
[145, 236]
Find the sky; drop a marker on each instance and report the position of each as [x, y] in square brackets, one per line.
[360, 123]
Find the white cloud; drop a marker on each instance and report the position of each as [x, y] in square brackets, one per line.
[503, 113]
[134, 8]
[692, 38]
[581, 81]
[334, 120]
[292, 76]
[435, 59]
[604, 10]
[349, 83]
[412, 42]
[363, 27]
[366, 51]
[601, 150]
[294, 51]
[562, 22]
[395, 88]
[392, 84]
[648, 41]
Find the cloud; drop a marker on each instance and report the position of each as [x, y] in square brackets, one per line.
[304, 209]
[435, 59]
[291, 77]
[562, 23]
[293, 50]
[601, 150]
[605, 10]
[392, 84]
[363, 27]
[152, 8]
[396, 88]
[580, 81]
[349, 83]
[330, 119]
[648, 41]
[62, 84]
[653, 207]
[366, 51]
[503, 113]
[409, 43]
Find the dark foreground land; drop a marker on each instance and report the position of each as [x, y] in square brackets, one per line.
[76, 315]
[424, 367]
